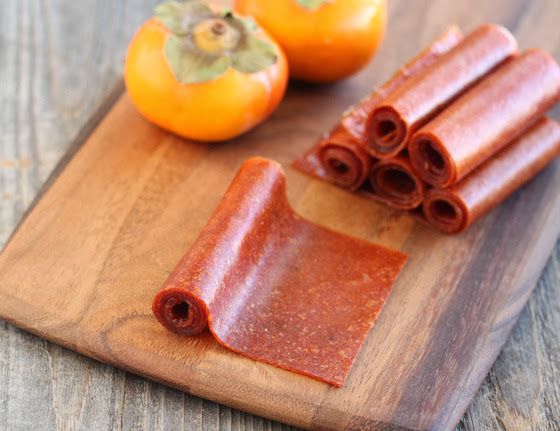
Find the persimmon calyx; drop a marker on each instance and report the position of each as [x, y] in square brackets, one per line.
[312, 4]
[204, 44]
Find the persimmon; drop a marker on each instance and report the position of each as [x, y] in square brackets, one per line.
[204, 73]
[324, 40]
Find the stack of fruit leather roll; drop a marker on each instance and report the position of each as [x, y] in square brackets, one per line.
[451, 134]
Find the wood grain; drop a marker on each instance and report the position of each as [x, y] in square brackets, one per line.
[531, 356]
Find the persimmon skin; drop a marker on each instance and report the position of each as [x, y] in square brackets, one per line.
[213, 111]
[326, 44]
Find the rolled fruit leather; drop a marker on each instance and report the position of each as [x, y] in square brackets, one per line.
[486, 118]
[354, 119]
[391, 124]
[275, 287]
[339, 157]
[344, 160]
[396, 183]
[456, 208]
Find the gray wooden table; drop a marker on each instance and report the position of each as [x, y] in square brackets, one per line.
[58, 59]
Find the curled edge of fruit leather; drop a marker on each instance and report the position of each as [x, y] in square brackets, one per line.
[395, 182]
[275, 287]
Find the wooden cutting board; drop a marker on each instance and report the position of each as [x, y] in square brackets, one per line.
[129, 200]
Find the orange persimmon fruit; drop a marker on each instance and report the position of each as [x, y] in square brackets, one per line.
[324, 40]
[204, 73]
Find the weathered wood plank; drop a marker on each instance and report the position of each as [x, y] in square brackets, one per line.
[58, 60]
[522, 391]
